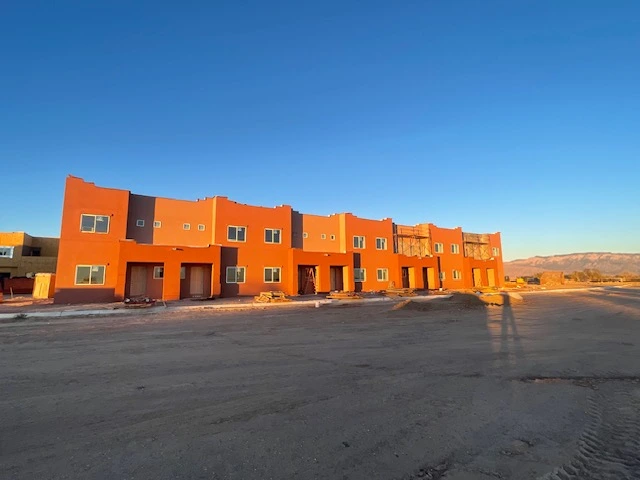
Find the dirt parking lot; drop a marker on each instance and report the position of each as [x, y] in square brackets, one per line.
[547, 388]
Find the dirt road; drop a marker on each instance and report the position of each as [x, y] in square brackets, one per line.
[549, 388]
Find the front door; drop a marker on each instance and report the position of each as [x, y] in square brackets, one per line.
[405, 277]
[196, 282]
[336, 279]
[429, 277]
[138, 286]
[477, 277]
[491, 277]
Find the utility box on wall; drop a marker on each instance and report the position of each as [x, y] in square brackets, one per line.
[44, 285]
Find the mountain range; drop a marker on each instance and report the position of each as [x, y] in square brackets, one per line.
[606, 262]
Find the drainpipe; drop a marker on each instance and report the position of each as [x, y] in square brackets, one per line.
[439, 275]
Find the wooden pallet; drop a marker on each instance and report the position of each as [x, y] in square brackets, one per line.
[400, 292]
[344, 296]
[271, 297]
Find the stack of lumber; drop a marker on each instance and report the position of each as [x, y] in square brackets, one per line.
[271, 297]
[344, 296]
[400, 292]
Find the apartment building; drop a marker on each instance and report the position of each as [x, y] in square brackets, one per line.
[115, 244]
[22, 254]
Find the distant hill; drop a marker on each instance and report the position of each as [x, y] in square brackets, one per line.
[607, 263]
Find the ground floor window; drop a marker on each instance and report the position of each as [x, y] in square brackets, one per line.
[158, 273]
[457, 274]
[359, 274]
[272, 274]
[90, 274]
[235, 274]
[383, 274]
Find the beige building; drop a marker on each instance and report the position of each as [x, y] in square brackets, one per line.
[22, 255]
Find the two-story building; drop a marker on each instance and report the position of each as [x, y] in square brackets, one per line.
[115, 244]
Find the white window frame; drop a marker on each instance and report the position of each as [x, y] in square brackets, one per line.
[91, 270]
[183, 273]
[273, 231]
[323, 236]
[186, 226]
[383, 241]
[360, 241]
[237, 228]
[139, 222]
[457, 275]
[363, 272]
[8, 249]
[455, 248]
[495, 251]
[158, 272]
[438, 247]
[201, 227]
[305, 235]
[272, 269]
[157, 224]
[443, 275]
[332, 237]
[95, 222]
[385, 274]
[235, 269]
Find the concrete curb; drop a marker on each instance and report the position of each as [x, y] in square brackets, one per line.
[234, 306]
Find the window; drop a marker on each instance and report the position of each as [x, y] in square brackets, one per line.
[443, 276]
[305, 235]
[272, 235]
[455, 248]
[359, 275]
[323, 236]
[139, 223]
[158, 273]
[90, 274]
[235, 274]
[186, 226]
[183, 273]
[332, 237]
[36, 251]
[157, 224]
[383, 274]
[496, 251]
[236, 234]
[94, 223]
[381, 243]
[272, 274]
[457, 274]
[201, 228]
[438, 247]
[358, 242]
[6, 252]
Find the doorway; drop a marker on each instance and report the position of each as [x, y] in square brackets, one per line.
[429, 278]
[477, 277]
[336, 275]
[196, 282]
[138, 281]
[306, 280]
[405, 277]
[491, 277]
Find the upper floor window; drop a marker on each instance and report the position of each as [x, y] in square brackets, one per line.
[186, 226]
[139, 223]
[90, 274]
[323, 236]
[381, 243]
[6, 252]
[457, 274]
[157, 224]
[332, 237]
[358, 242]
[496, 251]
[438, 247]
[359, 275]
[455, 248]
[94, 223]
[201, 227]
[272, 275]
[272, 235]
[305, 235]
[236, 234]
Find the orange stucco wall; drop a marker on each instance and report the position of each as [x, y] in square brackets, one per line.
[173, 246]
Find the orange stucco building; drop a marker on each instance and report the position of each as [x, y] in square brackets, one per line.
[115, 244]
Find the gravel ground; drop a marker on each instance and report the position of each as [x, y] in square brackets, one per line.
[548, 388]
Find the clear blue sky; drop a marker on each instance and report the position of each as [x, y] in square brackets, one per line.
[514, 116]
